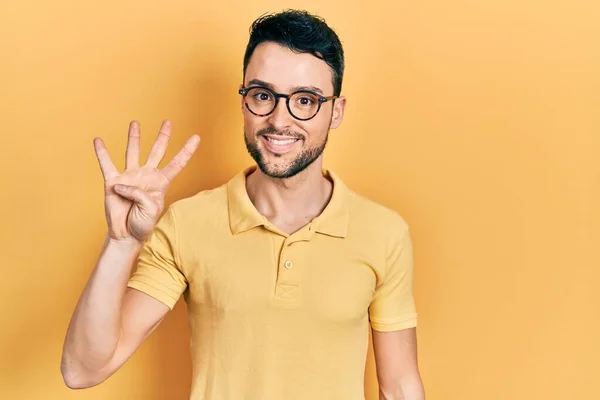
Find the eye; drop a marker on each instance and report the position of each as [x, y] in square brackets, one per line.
[262, 96]
[306, 100]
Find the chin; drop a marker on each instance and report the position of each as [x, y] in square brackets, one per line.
[276, 171]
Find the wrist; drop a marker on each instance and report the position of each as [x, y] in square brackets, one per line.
[123, 245]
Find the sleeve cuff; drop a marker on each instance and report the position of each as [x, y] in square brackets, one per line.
[394, 325]
[151, 291]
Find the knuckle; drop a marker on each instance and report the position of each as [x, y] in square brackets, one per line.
[177, 162]
[185, 152]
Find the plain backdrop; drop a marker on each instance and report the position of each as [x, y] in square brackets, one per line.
[478, 121]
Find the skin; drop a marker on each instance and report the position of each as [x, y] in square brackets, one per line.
[397, 367]
[109, 325]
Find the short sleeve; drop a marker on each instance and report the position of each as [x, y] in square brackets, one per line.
[157, 272]
[393, 306]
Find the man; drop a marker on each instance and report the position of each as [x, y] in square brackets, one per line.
[283, 268]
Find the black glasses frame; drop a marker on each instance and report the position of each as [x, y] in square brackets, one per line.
[277, 96]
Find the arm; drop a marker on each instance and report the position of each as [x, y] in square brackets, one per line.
[393, 320]
[110, 320]
[396, 363]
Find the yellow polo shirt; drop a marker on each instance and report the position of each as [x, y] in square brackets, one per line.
[276, 316]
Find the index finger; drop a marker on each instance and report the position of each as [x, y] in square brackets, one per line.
[109, 171]
[174, 167]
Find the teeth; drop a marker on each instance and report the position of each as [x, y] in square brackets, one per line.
[281, 142]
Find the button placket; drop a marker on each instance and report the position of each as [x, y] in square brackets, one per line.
[287, 270]
[287, 287]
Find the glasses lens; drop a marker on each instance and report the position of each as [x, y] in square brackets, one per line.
[260, 101]
[304, 105]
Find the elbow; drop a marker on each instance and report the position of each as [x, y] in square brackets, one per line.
[71, 381]
[74, 378]
[76, 382]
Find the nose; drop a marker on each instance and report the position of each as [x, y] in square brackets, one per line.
[280, 118]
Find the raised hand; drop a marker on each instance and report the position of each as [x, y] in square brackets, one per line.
[135, 198]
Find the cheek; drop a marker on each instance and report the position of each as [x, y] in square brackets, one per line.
[316, 129]
[323, 118]
[251, 123]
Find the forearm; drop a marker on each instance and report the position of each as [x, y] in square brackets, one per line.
[95, 326]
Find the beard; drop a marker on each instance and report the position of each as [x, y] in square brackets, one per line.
[299, 164]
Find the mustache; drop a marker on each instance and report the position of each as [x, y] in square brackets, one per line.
[275, 132]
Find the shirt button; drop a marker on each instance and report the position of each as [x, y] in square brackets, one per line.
[288, 264]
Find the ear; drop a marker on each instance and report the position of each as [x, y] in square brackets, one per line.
[339, 105]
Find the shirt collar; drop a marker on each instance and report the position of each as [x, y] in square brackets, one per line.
[244, 216]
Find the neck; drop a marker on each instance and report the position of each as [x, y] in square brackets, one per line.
[299, 198]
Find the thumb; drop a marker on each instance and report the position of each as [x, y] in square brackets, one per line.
[138, 196]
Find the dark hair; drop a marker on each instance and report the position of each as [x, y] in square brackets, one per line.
[301, 32]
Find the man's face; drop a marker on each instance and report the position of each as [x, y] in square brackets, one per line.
[281, 145]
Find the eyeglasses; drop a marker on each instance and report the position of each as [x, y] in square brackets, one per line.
[302, 105]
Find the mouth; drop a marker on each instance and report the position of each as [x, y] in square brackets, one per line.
[279, 144]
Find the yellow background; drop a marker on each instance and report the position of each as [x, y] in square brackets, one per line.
[478, 121]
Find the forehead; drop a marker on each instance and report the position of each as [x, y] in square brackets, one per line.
[285, 69]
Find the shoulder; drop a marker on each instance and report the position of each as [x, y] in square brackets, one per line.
[368, 214]
[204, 205]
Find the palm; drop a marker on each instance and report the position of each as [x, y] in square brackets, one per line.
[132, 217]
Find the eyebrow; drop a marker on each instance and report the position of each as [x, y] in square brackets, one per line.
[293, 89]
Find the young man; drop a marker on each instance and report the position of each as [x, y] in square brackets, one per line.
[283, 269]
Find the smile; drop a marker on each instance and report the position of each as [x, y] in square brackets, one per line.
[281, 141]
[280, 145]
